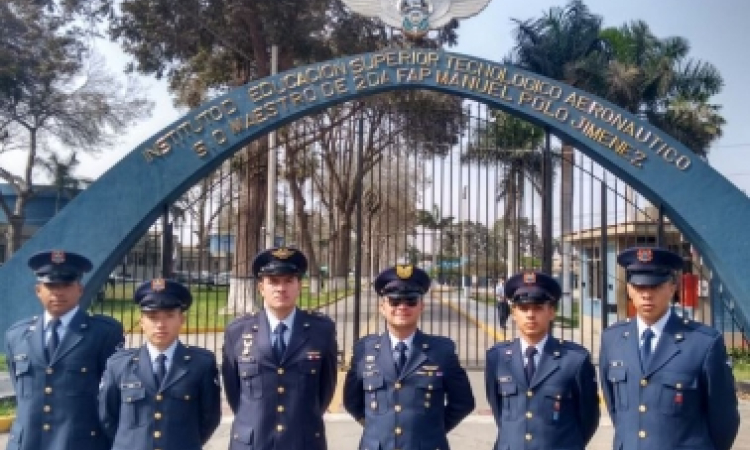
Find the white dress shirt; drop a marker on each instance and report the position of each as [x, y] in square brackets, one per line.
[273, 322]
[539, 347]
[62, 328]
[657, 328]
[153, 352]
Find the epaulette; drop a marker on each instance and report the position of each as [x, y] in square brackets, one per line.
[570, 345]
[316, 313]
[23, 323]
[125, 353]
[108, 320]
[700, 327]
[249, 317]
[620, 323]
[202, 352]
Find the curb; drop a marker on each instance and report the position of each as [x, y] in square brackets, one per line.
[743, 387]
[491, 331]
[6, 422]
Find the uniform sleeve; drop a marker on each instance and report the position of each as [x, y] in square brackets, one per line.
[460, 401]
[109, 402]
[329, 374]
[720, 396]
[353, 386]
[490, 387]
[111, 342]
[588, 399]
[9, 361]
[229, 373]
[210, 401]
[606, 386]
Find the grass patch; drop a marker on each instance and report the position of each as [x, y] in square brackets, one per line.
[205, 310]
[740, 363]
[3, 363]
[7, 407]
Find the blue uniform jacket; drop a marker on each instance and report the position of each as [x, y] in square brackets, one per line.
[412, 410]
[180, 415]
[57, 401]
[558, 409]
[684, 399]
[279, 405]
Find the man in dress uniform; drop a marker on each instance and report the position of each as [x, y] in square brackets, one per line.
[667, 381]
[542, 390]
[57, 359]
[405, 387]
[279, 365]
[163, 395]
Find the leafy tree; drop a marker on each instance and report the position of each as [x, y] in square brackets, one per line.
[55, 95]
[61, 171]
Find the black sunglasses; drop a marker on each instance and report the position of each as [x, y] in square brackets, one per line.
[410, 302]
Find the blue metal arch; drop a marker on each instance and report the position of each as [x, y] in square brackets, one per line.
[105, 221]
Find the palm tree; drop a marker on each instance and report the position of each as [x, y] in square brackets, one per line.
[558, 45]
[61, 171]
[516, 146]
[438, 224]
[654, 78]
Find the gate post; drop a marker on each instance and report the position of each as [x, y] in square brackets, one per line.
[547, 205]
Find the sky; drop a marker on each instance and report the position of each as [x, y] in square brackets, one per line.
[717, 30]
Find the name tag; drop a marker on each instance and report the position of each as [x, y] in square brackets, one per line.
[133, 385]
[505, 379]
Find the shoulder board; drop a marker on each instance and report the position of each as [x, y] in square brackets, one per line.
[620, 323]
[200, 351]
[318, 314]
[106, 320]
[125, 353]
[250, 318]
[699, 327]
[570, 345]
[23, 323]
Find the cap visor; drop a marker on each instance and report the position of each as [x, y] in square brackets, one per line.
[648, 279]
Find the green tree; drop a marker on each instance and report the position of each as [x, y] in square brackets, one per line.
[61, 171]
[56, 96]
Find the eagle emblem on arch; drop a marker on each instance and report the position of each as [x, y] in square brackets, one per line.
[417, 17]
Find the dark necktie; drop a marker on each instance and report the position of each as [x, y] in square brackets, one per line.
[401, 361]
[279, 346]
[646, 347]
[54, 338]
[530, 364]
[161, 368]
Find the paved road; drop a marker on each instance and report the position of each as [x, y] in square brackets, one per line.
[476, 432]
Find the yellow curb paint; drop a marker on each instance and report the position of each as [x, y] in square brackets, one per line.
[337, 403]
[491, 331]
[5, 423]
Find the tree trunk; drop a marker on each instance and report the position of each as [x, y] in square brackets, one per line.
[253, 161]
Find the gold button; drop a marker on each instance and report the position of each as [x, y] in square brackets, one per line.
[50, 371]
[157, 416]
[48, 390]
[529, 415]
[279, 428]
[426, 404]
[280, 408]
[280, 371]
[157, 434]
[313, 371]
[187, 398]
[159, 397]
[280, 389]
[678, 385]
[244, 374]
[46, 427]
[47, 408]
[398, 430]
[93, 433]
[398, 408]
[83, 370]
[397, 385]
[642, 408]
[641, 434]
[529, 393]
[317, 434]
[644, 382]
[429, 387]
[528, 436]
[427, 395]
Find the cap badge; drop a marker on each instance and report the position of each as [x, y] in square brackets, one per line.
[57, 256]
[645, 255]
[529, 278]
[158, 284]
[404, 272]
[282, 253]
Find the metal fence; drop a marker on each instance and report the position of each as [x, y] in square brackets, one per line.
[461, 191]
